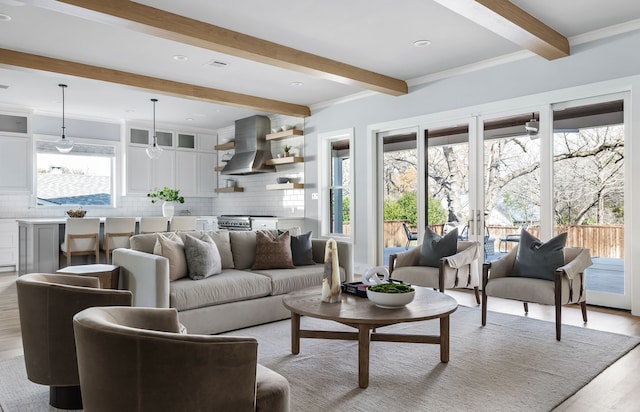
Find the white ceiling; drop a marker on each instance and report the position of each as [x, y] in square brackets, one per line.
[376, 35]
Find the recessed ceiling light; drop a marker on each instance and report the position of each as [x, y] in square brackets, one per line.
[4, 17]
[422, 43]
[12, 3]
[129, 111]
[180, 58]
[189, 119]
[4, 86]
[296, 84]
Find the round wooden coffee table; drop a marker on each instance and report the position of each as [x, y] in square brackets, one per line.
[366, 317]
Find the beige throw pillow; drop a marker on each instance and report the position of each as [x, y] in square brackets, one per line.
[273, 253]
[223, 243]
[171, 246]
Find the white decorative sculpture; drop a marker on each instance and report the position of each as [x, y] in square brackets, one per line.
[370, 276]
[331, 287]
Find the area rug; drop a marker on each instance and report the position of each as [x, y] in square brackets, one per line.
[512, 364]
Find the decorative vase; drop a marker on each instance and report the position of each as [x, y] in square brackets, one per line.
[167, 209]
[286, 154]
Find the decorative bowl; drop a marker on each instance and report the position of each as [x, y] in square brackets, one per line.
[391, 300]
[283, 180]
[76, 213]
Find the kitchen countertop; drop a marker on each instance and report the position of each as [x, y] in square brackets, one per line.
[62, 220]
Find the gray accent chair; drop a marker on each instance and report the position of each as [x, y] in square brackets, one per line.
[568, 286]
[46, 305]
[456, 271]
[145, 364]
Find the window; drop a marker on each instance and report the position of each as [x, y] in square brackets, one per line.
[335, 174]
[83, 177]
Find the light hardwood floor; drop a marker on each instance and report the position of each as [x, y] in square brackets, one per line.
[615, 389]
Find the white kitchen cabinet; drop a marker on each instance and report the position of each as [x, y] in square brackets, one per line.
[164, 170]
[138, 170]
[39, 244]
[207, 223]
[8, 244]
[15, 164]
[186, 172]
[207, 176]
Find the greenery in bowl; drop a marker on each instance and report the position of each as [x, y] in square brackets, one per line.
[167, 195]
[391, 288]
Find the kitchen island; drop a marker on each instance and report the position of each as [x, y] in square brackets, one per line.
[39, 242]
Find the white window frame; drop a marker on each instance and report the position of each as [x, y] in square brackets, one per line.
[116, 172]
[324, 176]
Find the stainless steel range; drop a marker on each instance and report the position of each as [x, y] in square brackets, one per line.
[246, 222]
[234, 222]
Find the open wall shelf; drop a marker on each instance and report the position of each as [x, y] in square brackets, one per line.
[285, 135]
[285, 160]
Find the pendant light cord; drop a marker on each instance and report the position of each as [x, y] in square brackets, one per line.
[155, 139]
[63, 86]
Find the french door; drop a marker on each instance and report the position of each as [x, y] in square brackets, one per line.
[548, 170]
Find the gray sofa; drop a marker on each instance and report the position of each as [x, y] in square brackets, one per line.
[237, 297]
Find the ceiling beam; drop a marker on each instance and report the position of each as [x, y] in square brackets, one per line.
[166, 87]
[160, 23]
[511, 22]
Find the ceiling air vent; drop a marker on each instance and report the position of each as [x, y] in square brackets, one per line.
[217, 64]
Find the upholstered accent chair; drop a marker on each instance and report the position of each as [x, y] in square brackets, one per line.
[567, 286]
[145, 364]
[46, 305]
[459, 270]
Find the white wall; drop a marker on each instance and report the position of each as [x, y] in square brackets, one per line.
[528, 81]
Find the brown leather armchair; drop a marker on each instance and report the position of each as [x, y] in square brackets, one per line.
[46, 305]
[144, 364]
[457, 271]
[567, 287]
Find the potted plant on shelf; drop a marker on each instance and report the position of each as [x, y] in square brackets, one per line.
[286, 148]
[169, 197]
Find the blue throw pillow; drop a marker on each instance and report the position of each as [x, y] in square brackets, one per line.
[536, 259]
[435, 247]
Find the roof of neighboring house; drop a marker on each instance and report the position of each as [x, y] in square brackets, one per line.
[65, 189]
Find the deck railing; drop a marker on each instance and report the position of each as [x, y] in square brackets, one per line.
[602, 240]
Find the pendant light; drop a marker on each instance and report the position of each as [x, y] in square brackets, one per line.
[63, 144]
[154, 151]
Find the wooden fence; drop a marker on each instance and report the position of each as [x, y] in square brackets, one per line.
[602, 240]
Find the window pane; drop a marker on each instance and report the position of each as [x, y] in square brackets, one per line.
[339, 188]
[82, 177]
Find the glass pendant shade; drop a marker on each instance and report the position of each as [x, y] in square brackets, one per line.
[63, 144]
[154, 151]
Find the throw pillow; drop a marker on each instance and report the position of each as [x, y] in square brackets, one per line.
[171, 246]
[434, 247]
[273, 253]
[536, 259]
[203, 258]
[223, 243]
[301, 249]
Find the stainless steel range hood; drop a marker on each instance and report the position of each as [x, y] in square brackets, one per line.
[252, 151]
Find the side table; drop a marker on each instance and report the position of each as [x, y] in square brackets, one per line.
[108, 274]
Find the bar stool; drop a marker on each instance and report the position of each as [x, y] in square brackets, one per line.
[117, 231]
[82, 237]
[153, 224]
[183, 223]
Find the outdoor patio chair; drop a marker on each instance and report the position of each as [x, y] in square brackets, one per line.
[567, 285]
[410, 235]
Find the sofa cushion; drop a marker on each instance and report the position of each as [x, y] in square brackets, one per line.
[203, 258]
[273, 252]
[536, 259]
[230, 285]
[221, 237]
[285, 281]
[435, 247]
[170, 245]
